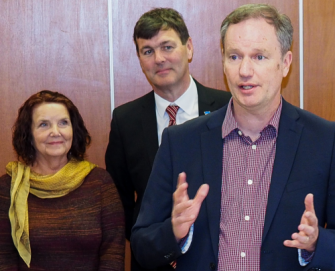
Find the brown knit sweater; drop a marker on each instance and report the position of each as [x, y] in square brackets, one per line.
[83, 230]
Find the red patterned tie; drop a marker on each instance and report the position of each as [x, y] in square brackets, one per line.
[172, 112]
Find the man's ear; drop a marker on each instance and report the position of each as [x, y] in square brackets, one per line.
[287, 60]
[189, 47]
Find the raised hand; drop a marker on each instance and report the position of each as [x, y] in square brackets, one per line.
[185, 211]
[308, 233]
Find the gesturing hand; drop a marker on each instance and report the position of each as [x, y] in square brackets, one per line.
[308, 229]
[185, 211]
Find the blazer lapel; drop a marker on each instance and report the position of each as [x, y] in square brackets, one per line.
[205, 101]
[149, 127]
[211, 148]
[286, 147]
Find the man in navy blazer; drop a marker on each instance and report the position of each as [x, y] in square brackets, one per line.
[164, 49]
[204, 223]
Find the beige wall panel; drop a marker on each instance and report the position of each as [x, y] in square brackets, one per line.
[58, 45]
[319, 57]
[203, 19]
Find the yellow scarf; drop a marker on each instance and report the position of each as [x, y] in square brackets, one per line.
[69, 178]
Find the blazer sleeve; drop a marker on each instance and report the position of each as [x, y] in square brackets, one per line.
[325, 247]
[116, 165]
[152, 239]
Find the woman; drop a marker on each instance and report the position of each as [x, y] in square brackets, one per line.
[57, 211]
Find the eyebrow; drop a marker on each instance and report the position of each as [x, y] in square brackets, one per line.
[159, 45]
[45, 119]
[165, 42]
[236, 50]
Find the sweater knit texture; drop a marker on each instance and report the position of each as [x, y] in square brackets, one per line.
[83, 230]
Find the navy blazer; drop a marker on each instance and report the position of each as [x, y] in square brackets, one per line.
[304, 163]
[133, 144]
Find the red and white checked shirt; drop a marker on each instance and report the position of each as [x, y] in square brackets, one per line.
[246, 177]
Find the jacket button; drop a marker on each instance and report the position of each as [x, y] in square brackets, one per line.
[212, 266]
[168, 256]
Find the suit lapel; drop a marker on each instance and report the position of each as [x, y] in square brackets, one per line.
[149, 121]
[286, 147]
[204, 100]
[211, 148]
[149, 127]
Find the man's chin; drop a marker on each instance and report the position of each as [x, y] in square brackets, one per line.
[164, 83]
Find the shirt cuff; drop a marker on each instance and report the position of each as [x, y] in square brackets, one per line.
[305, 257]
[185, 243]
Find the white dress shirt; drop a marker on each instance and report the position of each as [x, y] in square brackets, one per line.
[188, 108]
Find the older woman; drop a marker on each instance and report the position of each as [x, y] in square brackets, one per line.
[57, 211]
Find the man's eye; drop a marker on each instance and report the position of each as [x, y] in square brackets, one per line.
[233, 57]
[147, 52]
[260, 57]
[168, 47]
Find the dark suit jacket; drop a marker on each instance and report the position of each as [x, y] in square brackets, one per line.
[304, 163]
[133, 144]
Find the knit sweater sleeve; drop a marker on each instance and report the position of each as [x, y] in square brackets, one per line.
[113, 233]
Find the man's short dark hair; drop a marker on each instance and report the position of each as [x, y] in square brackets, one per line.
[22, 129]
[151, 22]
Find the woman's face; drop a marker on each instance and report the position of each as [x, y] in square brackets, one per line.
[52, 132]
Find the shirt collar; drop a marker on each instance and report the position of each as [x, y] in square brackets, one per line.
[230, 124]
[185, 101]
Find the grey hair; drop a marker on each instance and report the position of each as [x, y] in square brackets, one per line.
[281, 22]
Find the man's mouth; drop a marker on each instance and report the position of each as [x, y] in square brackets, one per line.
[247, 87]
[163, 71]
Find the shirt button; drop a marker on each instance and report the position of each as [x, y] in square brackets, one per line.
[242, 254]
[247, 218]
[250, 182]
[239, 132]
[254, 147]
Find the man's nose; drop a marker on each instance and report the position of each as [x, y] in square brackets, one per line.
[246, 68]
[159, 56]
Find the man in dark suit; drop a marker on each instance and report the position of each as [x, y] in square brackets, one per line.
[164, 49]
[260, 189]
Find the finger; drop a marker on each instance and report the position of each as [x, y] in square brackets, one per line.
[309, 203]
[181, 179]
[201, 194]
[299, 241]
[293, 243]
[183, 205]
[308, 219]
[181, 192]
[301, 238]
[306, 230]
[190, 208]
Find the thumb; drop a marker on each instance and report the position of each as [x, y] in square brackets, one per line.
[201, 194]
